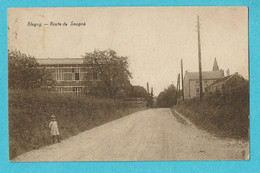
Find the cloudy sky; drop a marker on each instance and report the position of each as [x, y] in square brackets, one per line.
[154, 38]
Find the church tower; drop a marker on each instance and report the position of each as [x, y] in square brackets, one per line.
[215, 65]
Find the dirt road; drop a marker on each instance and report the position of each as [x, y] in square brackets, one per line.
[154, 134]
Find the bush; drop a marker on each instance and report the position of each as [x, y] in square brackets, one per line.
[224, 113]
[24, 72]
[137, 91]
[167, 98]
[30, 111]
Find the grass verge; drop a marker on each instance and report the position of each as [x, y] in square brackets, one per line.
[30, 111]
[224, 114]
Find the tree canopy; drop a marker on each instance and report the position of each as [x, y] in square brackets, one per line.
[168, 97]
[138, 91]
[107, 73]
[24, 72]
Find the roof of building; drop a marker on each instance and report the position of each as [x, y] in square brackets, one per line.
[224, 79]
[215, 65]
[60, 61]
[205, 75]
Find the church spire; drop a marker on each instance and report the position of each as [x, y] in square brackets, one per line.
[215, 65]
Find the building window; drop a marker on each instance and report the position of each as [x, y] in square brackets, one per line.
[60, 90]
[58, 74]
[76, 76]
[197, 91]
[77, 91]
[67, 76]
[76, 73]
[197, 82]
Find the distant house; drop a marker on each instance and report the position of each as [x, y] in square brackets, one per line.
[231, 81]
[191, 81]
[67, 72]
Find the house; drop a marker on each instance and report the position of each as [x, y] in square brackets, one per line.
[67, 72]
[231, 81]
[191, 81]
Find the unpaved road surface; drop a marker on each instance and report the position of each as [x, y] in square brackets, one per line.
[154, 134]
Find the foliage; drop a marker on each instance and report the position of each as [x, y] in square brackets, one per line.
[137, 91]
[24, 72]
[109, 71]
[225, 113]
[167, 98]
[28, 122]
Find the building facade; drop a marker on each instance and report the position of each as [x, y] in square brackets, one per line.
[191, 81]
[68, 74]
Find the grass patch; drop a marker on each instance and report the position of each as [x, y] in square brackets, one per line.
[225, 114]
[30, 111]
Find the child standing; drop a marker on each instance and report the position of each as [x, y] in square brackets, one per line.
[53, 125]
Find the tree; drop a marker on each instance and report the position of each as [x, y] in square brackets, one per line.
[167, 98]
[107, 73]
[138, 91]
[24, 72]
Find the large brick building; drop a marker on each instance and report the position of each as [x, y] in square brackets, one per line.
[191, 81]
[68, 74]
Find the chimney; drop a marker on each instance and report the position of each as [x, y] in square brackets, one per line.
[228, 72]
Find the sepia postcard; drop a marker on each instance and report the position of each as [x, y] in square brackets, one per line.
[128, 84]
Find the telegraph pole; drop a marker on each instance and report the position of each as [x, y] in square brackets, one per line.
[178, 86]
[151, 97]
[182, 80]
[178, 82]
[199, 56]
[148, 88]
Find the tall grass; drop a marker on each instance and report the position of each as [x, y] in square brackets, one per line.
[224, 113]
[30, 111]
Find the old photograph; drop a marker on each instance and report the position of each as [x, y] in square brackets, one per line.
[128, 84]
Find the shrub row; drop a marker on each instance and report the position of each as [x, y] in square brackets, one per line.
[224, 113]
[30, 111]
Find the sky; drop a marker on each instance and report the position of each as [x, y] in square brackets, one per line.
[155, 39]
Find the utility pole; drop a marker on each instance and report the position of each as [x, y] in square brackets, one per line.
[199, 55]
[148, 96]
[178, 82]
[182, 80]
[151, 97]
[148, 88]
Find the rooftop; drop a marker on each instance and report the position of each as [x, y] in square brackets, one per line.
[205, 75]
[224, 79]
[60, 61]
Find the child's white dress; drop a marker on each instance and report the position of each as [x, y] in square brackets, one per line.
[54, 128]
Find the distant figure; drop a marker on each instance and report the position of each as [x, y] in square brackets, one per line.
[53, 125]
